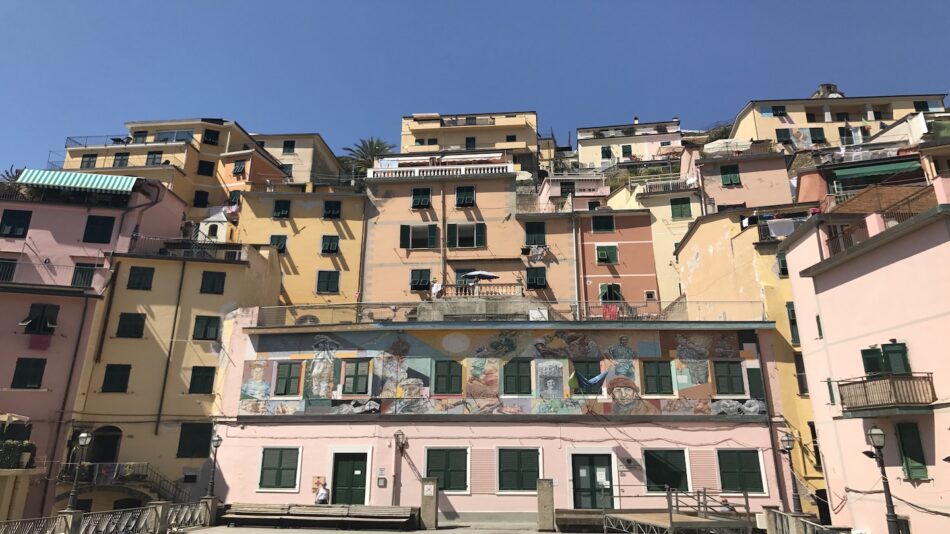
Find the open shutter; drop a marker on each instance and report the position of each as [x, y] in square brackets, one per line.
[912, 451]
[433, 235]
[452, 233]
[665, 374]
[873, 361]
[479, 234]
[404, 236]
[508, 469]
[756, 386]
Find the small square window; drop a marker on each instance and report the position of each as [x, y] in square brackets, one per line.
[281, 209]
[28, 373]
[417, 236]
[210, 137]
[279, 468]
[419, 279]
[153, 158]
[140, 278]
[606, 152]
[921, 105]
[200, 199]
[608, 255]
[511, 138]
[287, 168]
[288, 379]
[841, 116]
[432, 141]
[517, 377]
[449, 467]
[465, 196]
[240, 166]
[470, 143]
[518, 469]
[194, 441]
[680, 208]
[536, 278]
[665, 469]
[534, 233]
[602, 223]
[330, 244]
[207, 328]
[131, 325]
[120, 159]
[213, 282]
[421, 198]
[88, 161]
[729, 378]
[729, 174]
[328, 282]
[98, 229]
[332, 209]
[202, 380]
[280, 243]
[626, 150]
[657, 378]
[448, 378]
[356, 377]
[116, 378]
[206, 168]
[290, 146]
[15, 223]
[139, 137]
[588, 370]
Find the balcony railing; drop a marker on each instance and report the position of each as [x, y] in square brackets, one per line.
[513, 308]
[117, 140]
[846, 237]
[277, 188]
[667, 186]
[187, 248]
[25, 193]
[733, 150]
[914, 205]
[469, 121]
[527, 204]
[44, 274]
[887, 391]
[442, 170]
[482, 290]
[111, 474]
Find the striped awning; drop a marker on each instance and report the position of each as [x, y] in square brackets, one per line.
[81, 181]
[877, 170]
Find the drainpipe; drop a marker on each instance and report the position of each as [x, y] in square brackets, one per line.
[171, 346]
[702, 189]
[579, 262]
[359, 283]
[106, 312]
[50, 479]
[444, 236]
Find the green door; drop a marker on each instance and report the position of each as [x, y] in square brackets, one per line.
[593, 481]
[349, 478]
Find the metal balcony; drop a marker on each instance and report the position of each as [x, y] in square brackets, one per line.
[884, 394]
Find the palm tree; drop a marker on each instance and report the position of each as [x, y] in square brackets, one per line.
[362, 155]
[10, 175]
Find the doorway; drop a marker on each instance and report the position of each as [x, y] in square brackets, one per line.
[593, 481]
[349, 478]
[104, 448]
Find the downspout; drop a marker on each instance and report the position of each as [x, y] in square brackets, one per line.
[105, 315]
[359, 283]
[444, 236]
[578, 262]
[702, 189]
[171, 346]
[62, 409]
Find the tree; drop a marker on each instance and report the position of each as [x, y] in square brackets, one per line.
[362, 155]
[10, 175]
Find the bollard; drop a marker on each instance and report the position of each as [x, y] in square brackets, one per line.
[546, 505]
[73, 521]
[212, 504]
[162, 509]
[429, 510]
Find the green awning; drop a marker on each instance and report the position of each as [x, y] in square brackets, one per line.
[877, 170]
[81, 181]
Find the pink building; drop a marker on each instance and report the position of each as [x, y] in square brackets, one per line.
[870, 286]
[738, 174]
[57, 230]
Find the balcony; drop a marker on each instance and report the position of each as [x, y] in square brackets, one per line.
[109, 475]
[531, 204]
[887, 394]
[660, 187]
[469, 121]
[119, 141]
[189, 249]
[109, 161]
[730, 149]
[75, 277]
[441, 171]
[482, 290]
[277, 188]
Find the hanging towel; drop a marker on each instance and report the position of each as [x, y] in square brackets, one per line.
[580, 380]
[781, 227]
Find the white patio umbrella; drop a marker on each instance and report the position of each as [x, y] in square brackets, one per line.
[480, 275]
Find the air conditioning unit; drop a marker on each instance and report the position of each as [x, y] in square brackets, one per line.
[539, 314]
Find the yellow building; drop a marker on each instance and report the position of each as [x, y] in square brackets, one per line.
[149, 389]
[828, 117]
[305, 157]
[318, 231]
[604, 146]
[730, 256]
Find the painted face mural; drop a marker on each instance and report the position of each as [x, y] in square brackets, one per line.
[462, 372]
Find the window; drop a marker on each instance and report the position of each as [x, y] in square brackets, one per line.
[448, 378]
[588, 369]
[330, 244]
[568, 188]
[200, 199]
[465, 235]
[287, 168]
[755, 382]
[202, 380]
[891, 358]
[194, 441]
[817, 135]
[821, 332]
[98, 229]
[680, 208]
[517, 377]
[729, 378]
[210, 137]
[281, 209]
[450, 467]
[120, 159]
[841, 116]
[816, 452]
[213, 282]
[83, 274]
[537, 278]
[212, 230]
[469, 143]
[792, 322]
[116, 378]
[782, 264]
[921, 105]
[420, 142]
[432, 141]
[511, 138]
[234, 197]
[279, 468]
[534, 233]
[593, 204]
[778, 111]
[610, 293]
[607, 255]
[172, 136]
[465, 196]
[810, 117]
[606, 153]
[831, 390]
[240, 167]
[28, 373]
[356, 377]
[7, 270]
[139, 137]
[649, 294]
[131, 325]
[288, 379]
[657, 378]
[15, 223]
[602, 223]
[88, 161]
[912, 451]
[518, 469]
[154, 157]
[41, 320]
[666, 143]
[800, 374]
[205, 167]
[331, 209]
[206, 328]
[626, 151]
[328, 281]
[280, 243]
[290, 146]
[740, 471]
[419, 280]
[421, 198]
[665, 469]
[729, 174]
[783, 135]
[418, 236]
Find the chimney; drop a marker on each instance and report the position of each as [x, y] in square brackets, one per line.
[636, 120]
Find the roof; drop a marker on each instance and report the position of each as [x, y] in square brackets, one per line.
[79, 181]
[846, 98]
[697, 222]
[671, 121]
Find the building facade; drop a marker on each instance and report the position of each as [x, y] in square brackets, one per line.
[305, 157]
[604, 146]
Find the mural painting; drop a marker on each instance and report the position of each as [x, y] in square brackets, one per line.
[392, 373]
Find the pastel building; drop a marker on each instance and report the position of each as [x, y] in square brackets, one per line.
[870, 315]
[740, 174]
[489, 407]
[305, 157]
[604, 146]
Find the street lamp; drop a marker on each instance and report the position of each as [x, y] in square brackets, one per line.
[84, 439]
[876, 437]
[788, 445]
[215, 443]
[400, 439]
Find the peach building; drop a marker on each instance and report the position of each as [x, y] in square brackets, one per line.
[741, 174]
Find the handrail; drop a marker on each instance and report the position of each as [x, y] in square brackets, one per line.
[107, 474]
[38, 525]
[882, 390]
[127, 521]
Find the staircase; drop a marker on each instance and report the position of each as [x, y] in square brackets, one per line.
[139, 474]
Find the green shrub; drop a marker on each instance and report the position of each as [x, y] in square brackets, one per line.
[10, 453]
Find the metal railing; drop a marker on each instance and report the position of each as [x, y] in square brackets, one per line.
[39, 525]
[441, 170]
[532, 204]
[732, 150]
[119, 141]
[128, 521]
[667, 186]
[43, 274]
[189, 514]
[469, 121]
[482, 290]
[187, 248]
[110, 474]
[914, 205]
[845, 238]
[277, 188]
[887, 390]
[26, 193]
[792, 523]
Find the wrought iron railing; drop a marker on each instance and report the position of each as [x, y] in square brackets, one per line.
[732, 150]
[187, 248]
[119, 141]
[39, 525]
[109, 474]
[667, 186]
[128, 521]
[887, 390]
[914, 205]
[189, 514]
[846, 237]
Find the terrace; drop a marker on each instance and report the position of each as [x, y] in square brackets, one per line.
[79, 277]
[187, 249]
[894, 393]
[440, 171]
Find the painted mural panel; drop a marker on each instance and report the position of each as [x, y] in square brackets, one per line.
[386, 372]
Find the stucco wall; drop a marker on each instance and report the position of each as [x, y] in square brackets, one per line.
[763, 182]
[636, 270]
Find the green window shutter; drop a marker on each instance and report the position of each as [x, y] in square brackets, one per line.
[680, 208]
[479, 234]
[782, 264]
[508, 472]
[362, 377]
[665, 469]
[116, 378]
[729, 378]
[194, 440]
[452, 233]
[140, 278]
[729, 174]
[433, 236]
[895, 357]
[450, 467]
[28, 373]
[404, 236]
[831, 391]
[131, 325]
[534, 233]
[419, 279]
[421, 198]
[783, 135]
[537, 278]
[334, 285]
[330, 244]
[912, 451]
[873, 360]
[626, 150]
[602, 223]
[792, 322]
[817, 135]
[356, 381]
[613, 255]
[657, 378]
[202, 380]
[448, 377]
[279, 242]
[288, 379]
[281, 209]
[756, 385]
[740, 471]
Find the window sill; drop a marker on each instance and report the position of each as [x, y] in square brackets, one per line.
[330, 218]
[516, 492]
[280, 218]
[516, 396]
[659, 396]
[589, 396]
[287, 397]
[118, 392]
[456, 492]
[731, 396]
[39, 390]
[446, 396]
[200, 394]
[277, 490]
[329, 252]
[326, 293]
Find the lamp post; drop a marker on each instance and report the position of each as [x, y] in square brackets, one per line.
[400, 438]
[215, 443]
[876, 437]
[788, 445]
[84, 439]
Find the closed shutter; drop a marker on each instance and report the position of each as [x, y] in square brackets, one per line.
[452, 235]
[740, 471]
[404, 236]
[729, 378]
[537, 278]
[895, 357]
[433, 235]
[534, 233]
[479, 234]
[912, 451]
[756, 385]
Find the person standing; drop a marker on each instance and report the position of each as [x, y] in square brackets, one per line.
[323, 495]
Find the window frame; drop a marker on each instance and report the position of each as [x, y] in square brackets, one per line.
[534, 238]
[120, 160]
[88, 161]
[279, 489]
[27, 375]
[687, 473]
[449, 376]
[730, 392]
[210, 137]
[115, 368]
[345, 374]
[517, 364]
[421, 198]
[462, 199]
[281, 244]
[146, 274]
[468, 469]
[678, 207]
[280, 210]
[193, 451]
[406, 236]
[801, 376]
[239, 168]
[291, 377]
[200, 379]
[602, 252]
[97, 223]
[729, 175]
[332, 210]
[782, 263]
[499, 490]
[330, 244]
[532, 281]
[208, 320]
[213, 282]
[603, 229]
[24, 216]
[794, 335]
[289, 146]
[479, 235]
[138, 327]
[154, 158]
[415, 276]
[329, 280]
[660, 392]
[762, 478]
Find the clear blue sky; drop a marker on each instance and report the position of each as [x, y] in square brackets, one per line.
[351, 69]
